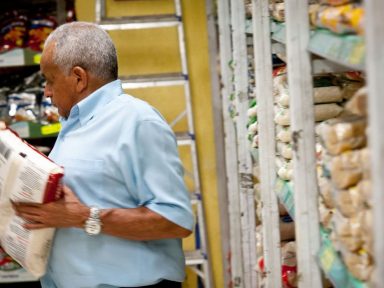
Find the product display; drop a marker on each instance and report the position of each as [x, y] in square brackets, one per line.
[341, 139]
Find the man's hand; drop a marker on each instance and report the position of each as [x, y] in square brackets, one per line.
[66, 212]
[3, 126]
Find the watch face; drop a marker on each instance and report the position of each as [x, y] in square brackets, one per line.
[92, 227]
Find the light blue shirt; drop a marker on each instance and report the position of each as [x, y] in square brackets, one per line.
[118, 152]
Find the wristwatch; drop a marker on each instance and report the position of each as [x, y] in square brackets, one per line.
[93, 224]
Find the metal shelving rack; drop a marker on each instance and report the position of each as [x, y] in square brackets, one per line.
[198, 259]
[301, 46]
[241, 201]
[374, 32]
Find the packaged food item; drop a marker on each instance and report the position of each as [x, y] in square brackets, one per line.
[342, 134]
[285, 150]
[336, 2]
[284, 169]
[349, 201]
[7, 263]
[283, 134]
[277, 11]
[322, 112]
[39, 29]
[13, 30]
[341, 19]
[347, 232]
[248, 10]
[330, 94]
[259, 240]
[289, 265]
[359, 263]
[358, 103]
[349, 88]
[28, 176]
[346, 169]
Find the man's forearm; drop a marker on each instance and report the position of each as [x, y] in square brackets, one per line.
[139, 224]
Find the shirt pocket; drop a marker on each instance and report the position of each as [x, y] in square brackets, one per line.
[86, 177]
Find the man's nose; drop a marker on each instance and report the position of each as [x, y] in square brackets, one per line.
[47, 92]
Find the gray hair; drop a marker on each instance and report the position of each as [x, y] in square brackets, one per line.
[86, 45]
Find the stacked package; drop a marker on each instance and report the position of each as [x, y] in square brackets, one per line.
[345, 186]
[326, 98]
[329, 95]
[339, 16]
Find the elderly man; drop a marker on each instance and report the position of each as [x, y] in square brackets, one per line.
[125, 206]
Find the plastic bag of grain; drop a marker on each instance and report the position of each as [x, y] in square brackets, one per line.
[346, 169]
[348, 201]
[359, 263]
[284, 168]
[283, 133]
[358, 103]
[322, 112]
[330, 94]
[347, 232]
[277, 11]
[349, 88]
[343, 133]
[284, 150]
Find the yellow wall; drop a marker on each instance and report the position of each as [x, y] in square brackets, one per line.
[156, 51]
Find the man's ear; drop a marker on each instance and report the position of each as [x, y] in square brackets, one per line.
[81, 78]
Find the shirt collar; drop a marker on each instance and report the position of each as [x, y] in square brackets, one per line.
[93, 103]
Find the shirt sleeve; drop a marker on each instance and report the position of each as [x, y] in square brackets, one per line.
[160, 181]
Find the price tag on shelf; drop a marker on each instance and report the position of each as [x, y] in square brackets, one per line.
[37, 58]
[50, 129]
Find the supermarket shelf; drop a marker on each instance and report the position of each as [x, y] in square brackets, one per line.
[346, 50]
[284, 191]
[140, 22]
[155, 80]
[19, 57]
[31, 130]
[333, 266]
